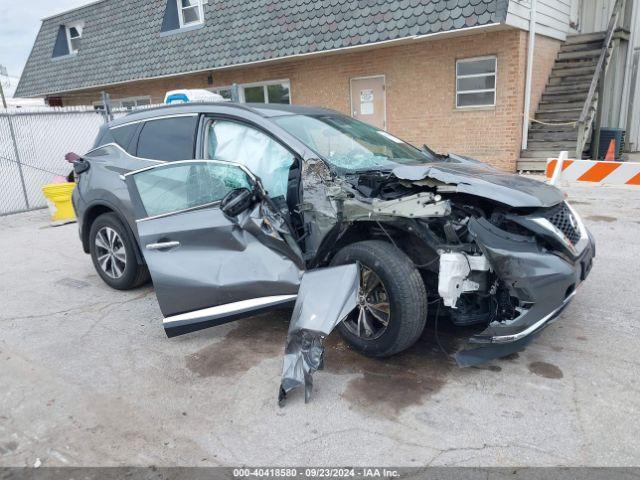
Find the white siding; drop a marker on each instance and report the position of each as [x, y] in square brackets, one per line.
[633, 114]
[621, 102]
[631, 92]
[552, 16]
[595, 15]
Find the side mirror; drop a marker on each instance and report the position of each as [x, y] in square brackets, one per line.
[237, 201]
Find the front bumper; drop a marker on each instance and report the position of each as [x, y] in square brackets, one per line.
[542, 280]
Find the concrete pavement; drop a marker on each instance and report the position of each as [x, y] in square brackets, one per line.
[89, 378]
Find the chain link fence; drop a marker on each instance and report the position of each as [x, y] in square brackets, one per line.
[33, 143]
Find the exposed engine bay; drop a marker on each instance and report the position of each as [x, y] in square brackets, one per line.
[499, 253]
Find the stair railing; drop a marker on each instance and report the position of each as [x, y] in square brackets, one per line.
[585, 122]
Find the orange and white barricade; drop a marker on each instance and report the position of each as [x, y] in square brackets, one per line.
[593, 171]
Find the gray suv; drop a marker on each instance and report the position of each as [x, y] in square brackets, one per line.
[226, 205]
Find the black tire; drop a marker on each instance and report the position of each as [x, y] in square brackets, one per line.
[132, 275]
[406, 294]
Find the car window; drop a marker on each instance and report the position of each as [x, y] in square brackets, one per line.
[175, 187]
[123, 135]
[261, 154]
[168, 138]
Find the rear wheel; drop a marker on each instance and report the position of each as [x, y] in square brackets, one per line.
[113, 254]
[392, 301]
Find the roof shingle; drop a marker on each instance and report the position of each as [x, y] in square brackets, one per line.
[121, 40]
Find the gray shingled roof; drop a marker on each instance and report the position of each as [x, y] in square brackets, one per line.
[122, 42]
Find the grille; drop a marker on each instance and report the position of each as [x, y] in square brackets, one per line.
[562, 218]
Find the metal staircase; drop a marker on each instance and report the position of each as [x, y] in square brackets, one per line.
[567, 109]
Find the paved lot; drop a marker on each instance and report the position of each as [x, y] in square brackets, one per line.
[88, 377]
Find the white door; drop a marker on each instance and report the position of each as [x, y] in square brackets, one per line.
[368, 100]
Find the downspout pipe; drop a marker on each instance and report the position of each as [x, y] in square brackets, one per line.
[529, 75]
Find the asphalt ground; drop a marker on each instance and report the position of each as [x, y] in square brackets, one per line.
[88, 377]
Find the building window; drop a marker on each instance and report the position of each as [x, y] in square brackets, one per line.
[74, 36]
[266, 92]
[276, 91]
[54, 101]
[129, 103]
[225, 92]
[190, 12]
[476, 82]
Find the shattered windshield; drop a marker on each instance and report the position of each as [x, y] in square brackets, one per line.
[351, 145]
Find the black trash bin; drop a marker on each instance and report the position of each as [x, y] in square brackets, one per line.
[606, 135]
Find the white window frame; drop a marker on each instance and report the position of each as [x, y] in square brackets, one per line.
[241, 87]
[199, 6]
[264, 85]
[476, 75]
[218, 89]
[79, 27]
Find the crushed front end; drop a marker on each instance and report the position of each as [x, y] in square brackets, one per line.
[537, 262]
[501, 254]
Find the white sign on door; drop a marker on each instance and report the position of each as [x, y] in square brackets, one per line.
[366, 102]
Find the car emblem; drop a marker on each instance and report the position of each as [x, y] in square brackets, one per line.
[572, 221]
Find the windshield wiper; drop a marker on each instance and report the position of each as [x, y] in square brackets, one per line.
[432, 153]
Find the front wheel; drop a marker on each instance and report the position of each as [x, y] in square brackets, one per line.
[392, 301]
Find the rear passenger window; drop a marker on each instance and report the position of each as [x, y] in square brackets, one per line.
[168, 139]
[123, 135]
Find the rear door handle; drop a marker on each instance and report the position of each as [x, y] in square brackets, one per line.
[162, 245]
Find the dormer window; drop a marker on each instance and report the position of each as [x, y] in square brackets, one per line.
[74, 36]
[190, 12]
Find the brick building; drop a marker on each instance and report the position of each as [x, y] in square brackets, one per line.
[448, 73]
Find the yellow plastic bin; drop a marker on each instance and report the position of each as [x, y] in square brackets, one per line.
[58, 197]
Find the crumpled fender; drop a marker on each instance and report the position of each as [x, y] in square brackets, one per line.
[325, 298]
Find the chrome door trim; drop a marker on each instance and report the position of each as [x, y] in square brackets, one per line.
[184, 210]
[202, 160]
[162, 117]
[227, 309]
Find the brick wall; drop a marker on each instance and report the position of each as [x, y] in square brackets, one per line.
[420, 89]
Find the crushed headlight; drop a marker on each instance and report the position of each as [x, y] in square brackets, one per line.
[566, 224]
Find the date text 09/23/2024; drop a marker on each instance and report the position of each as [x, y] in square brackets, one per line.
[325, 472]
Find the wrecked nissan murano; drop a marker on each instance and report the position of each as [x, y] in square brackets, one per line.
[229, 207]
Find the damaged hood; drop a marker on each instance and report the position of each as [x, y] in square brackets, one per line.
[481, 180]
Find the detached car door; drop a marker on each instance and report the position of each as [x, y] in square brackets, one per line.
[209, 267]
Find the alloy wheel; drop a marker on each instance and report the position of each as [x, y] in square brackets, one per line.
[110, 252]
[371, 317]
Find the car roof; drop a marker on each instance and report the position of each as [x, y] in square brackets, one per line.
[262, 109]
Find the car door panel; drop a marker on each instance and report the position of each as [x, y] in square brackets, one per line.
[208, 268]
[216, 262]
